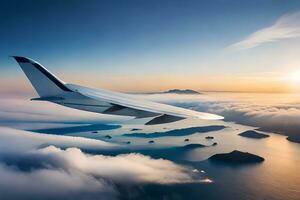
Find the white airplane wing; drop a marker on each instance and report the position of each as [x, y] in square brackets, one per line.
[50, 88]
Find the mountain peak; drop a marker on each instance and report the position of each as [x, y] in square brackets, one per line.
[184, 91]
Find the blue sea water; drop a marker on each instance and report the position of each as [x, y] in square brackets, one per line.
[278, 177]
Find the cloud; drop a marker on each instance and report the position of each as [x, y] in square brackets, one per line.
[30, 172]
[55, 173]
[24, 140]
[278, 113]
[275, 117]
[51, 184]
[284, 120]
[287, 26]
[126, 169]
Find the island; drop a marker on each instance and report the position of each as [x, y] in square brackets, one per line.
[135, 129]
[177, 132]
[93, 128]
[108, 136]
[190, 146]
[236, 157]
[253, 134]
[294, 138]
[292, 133]
[178, 91]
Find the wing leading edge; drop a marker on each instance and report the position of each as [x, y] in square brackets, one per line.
[50, 88]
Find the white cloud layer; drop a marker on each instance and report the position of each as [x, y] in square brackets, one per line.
[280, 119]
[287, 26]
[28, 172]
[272, 112]
[51, 184]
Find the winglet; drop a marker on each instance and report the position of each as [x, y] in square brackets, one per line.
[20, 59]
[44, 82]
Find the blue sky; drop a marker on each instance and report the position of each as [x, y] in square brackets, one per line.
[137, 40]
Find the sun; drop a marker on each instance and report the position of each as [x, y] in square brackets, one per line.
[295, 76]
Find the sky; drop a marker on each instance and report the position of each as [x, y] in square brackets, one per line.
[146, 46]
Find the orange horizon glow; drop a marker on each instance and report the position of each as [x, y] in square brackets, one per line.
[158, 83]
[211, 83]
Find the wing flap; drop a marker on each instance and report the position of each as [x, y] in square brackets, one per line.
[116, 109]
[163, 119]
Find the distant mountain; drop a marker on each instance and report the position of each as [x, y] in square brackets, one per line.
[178, 91]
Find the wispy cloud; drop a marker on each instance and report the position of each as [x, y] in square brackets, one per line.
[287, 26]
[18, 112]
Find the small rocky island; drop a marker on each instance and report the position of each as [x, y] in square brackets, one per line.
[192, 146]
[108, 137]
[253, 134]
[236, 157]
[214, 144]
[135, 129]
[178, 91]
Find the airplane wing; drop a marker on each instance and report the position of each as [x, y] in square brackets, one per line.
[50, 88]
[143, 108]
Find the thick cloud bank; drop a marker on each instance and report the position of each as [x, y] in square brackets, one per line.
[273, 118]
[271, 112]
[29, 172]
[51, 184]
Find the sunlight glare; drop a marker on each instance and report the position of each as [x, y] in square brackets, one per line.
[295, 76]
